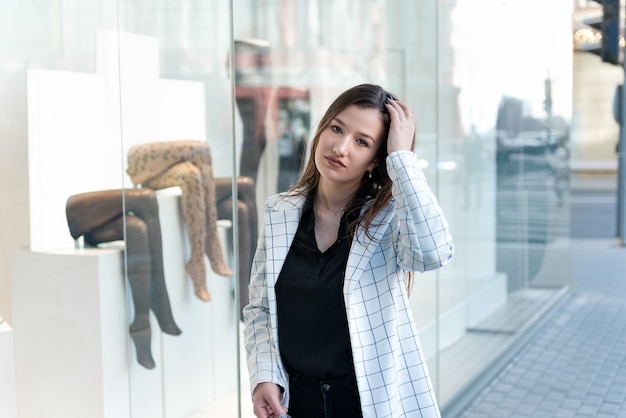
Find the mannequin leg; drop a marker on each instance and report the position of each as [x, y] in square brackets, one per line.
[149, 160]
[246, 193]
[143, 203]
[138, 268]
[88, 211]
[212, 247]
[225, 212]
[253, 111]
[248, 225]
[188, 177]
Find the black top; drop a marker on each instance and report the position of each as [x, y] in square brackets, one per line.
[312, 324]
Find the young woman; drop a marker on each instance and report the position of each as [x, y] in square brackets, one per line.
[328, 329]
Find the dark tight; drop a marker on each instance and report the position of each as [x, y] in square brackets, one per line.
[101, 217]
[248, 225]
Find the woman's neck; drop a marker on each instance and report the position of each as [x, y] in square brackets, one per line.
[334, 199]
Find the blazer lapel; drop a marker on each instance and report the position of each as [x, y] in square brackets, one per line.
[363, 247]
[281, 223]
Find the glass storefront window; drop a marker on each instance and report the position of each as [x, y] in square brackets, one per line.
[140, 139]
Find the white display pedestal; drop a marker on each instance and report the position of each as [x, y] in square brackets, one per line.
[73, 357]
[7, 372]
[70, 325]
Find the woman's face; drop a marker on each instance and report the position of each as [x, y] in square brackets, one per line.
[347, 147]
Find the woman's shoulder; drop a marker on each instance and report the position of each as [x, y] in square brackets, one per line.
[284, 201]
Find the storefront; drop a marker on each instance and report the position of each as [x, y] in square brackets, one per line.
[96, 95]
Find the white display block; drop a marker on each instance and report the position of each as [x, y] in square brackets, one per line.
[70, 333]
[74, 358]
[8, 407]
[74, 121]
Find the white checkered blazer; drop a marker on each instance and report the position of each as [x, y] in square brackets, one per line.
[411, 233]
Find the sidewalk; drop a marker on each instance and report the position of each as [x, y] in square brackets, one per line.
[574, 363]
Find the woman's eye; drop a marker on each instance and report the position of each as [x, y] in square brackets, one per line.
[361, 141]
[336, 129]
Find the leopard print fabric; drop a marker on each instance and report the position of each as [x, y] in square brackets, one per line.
[186, 164]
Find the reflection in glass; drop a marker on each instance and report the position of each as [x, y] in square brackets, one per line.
[248, 224]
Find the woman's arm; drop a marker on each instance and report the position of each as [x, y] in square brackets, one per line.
[262, 357]
[423, 239]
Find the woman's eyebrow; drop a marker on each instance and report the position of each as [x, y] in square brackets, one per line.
[360, 133]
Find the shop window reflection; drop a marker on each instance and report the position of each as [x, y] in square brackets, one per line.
[293, 130]
[280, 112]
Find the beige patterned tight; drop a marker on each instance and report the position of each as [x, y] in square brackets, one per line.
[186, 164]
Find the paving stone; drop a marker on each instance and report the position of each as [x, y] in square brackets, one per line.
[587, 409]
[486, 407]
[526, 409]
[538, 414]
[518, 393]
[564, 413]
[571, 403]
[594, 399]
[494, 397]
[614, 399]
[555, 395]
[611, 408]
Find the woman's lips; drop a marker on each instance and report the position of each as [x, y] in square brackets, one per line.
[334, 162]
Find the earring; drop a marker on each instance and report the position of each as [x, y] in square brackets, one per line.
[370, 175]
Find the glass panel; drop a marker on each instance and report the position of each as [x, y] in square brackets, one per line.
[292, 60]
[177, 136]
[118, 115]
[506, 90]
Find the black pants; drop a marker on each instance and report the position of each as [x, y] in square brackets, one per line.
[312, 398]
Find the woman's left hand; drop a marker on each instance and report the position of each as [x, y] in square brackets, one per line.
[402, 127]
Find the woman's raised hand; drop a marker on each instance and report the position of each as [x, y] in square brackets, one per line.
[402, 127]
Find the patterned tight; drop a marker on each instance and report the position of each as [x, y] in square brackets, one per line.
[186, 164]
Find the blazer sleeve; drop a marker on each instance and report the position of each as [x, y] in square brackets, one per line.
[423, 240]
[258, 333]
